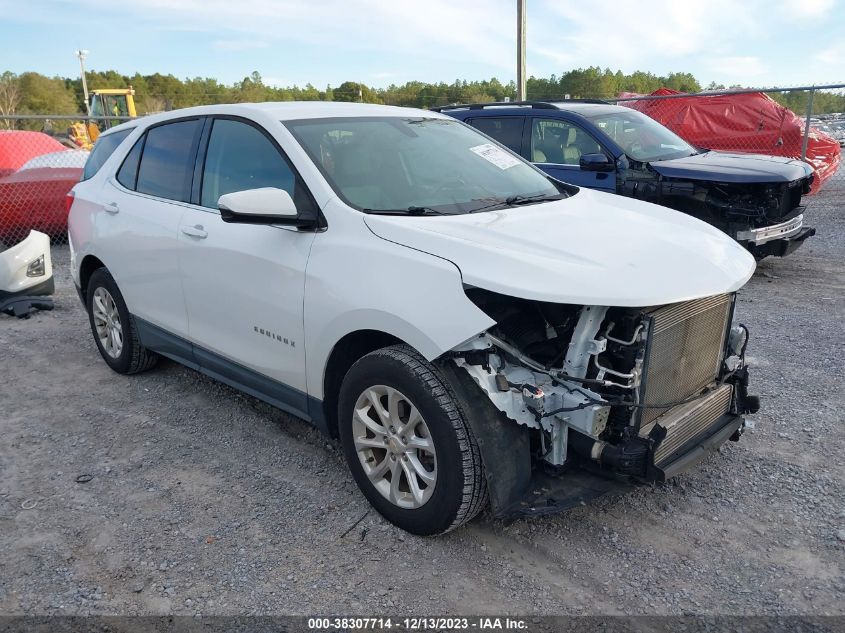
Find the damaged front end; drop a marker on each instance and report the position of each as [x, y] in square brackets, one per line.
[767, 218]
[629, 394]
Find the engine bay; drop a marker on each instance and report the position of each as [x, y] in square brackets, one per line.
[741, 204]
[576, 375]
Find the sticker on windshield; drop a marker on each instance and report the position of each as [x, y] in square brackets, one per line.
[495, 155]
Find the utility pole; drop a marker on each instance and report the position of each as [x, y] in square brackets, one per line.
[81, 54]
[520, 50]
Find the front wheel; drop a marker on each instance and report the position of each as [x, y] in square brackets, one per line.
[408, 444]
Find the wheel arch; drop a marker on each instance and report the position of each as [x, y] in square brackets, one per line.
[87, 266]
[350, 348]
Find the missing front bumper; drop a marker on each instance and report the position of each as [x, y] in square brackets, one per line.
[548, 493]
[725, 428]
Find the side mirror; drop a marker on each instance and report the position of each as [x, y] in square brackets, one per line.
[596, 162]
[267, 205]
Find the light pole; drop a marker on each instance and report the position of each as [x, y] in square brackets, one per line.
[520, 50]
[81, 54]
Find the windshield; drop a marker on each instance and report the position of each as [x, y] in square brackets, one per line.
[417, 165]
[642, 137]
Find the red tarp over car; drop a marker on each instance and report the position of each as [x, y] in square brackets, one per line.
[748, 123]
[17, 147]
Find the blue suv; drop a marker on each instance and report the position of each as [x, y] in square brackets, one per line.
[755, 199]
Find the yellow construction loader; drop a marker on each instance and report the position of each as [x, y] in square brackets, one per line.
[108, 103]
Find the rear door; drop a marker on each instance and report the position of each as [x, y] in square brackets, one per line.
[244, 283]
[143, 204]
[556, 147]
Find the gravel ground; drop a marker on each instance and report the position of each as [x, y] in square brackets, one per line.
[205, 501]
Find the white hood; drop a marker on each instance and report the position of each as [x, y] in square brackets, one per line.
[591, 249]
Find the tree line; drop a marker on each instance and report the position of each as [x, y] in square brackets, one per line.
[33, 93]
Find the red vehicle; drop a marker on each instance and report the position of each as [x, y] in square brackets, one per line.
[750, 123]
[36, 173]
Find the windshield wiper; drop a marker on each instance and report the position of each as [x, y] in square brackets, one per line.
[543, 197]
[515, 201]
[412, 210]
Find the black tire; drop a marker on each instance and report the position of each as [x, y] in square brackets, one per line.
[460, 491]
[134, 357]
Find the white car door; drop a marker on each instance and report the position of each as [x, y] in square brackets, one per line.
[244, 283]
[143, 206]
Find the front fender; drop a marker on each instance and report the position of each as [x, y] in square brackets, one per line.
[358, 281]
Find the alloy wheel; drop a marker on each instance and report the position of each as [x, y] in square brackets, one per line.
[395, 447]
[107, 322]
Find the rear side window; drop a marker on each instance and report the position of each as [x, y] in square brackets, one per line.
[506, 130]
[128, 172]
[103, 148]
[167, 160]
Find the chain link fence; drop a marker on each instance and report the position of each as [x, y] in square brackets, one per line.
[41, 159]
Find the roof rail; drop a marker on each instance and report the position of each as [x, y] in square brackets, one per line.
[543, 105]
[540, 105]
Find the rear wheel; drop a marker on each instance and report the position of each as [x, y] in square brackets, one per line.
[114, 328]
[408, 444]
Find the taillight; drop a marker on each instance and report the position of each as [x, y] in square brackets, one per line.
[68, 201]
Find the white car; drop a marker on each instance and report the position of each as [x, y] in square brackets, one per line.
[474, 332]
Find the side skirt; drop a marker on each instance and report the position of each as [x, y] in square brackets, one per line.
[273, 392]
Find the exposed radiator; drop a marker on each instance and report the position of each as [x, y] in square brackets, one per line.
[686, 347]
[687, 421]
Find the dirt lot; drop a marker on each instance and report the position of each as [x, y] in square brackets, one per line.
[206, 501]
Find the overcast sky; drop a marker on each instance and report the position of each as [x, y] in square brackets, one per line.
[379, 42]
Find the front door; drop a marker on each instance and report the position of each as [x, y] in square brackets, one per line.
[557, 147]
[244, 284]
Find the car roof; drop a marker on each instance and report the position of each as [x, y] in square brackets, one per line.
[589, 109]
[585, 108]
[286, 111]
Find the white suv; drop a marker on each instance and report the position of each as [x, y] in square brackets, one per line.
[474, 332]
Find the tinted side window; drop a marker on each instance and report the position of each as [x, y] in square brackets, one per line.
[103, 148]
[167, 162]
[560, 142]
[128, 172]
[240, 157]
[507, 130]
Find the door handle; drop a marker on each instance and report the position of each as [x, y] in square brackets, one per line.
[111, 207]
[195, 231]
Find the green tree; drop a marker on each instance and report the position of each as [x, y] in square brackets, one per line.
[45, 95]
[37, 94]
[348, 91]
